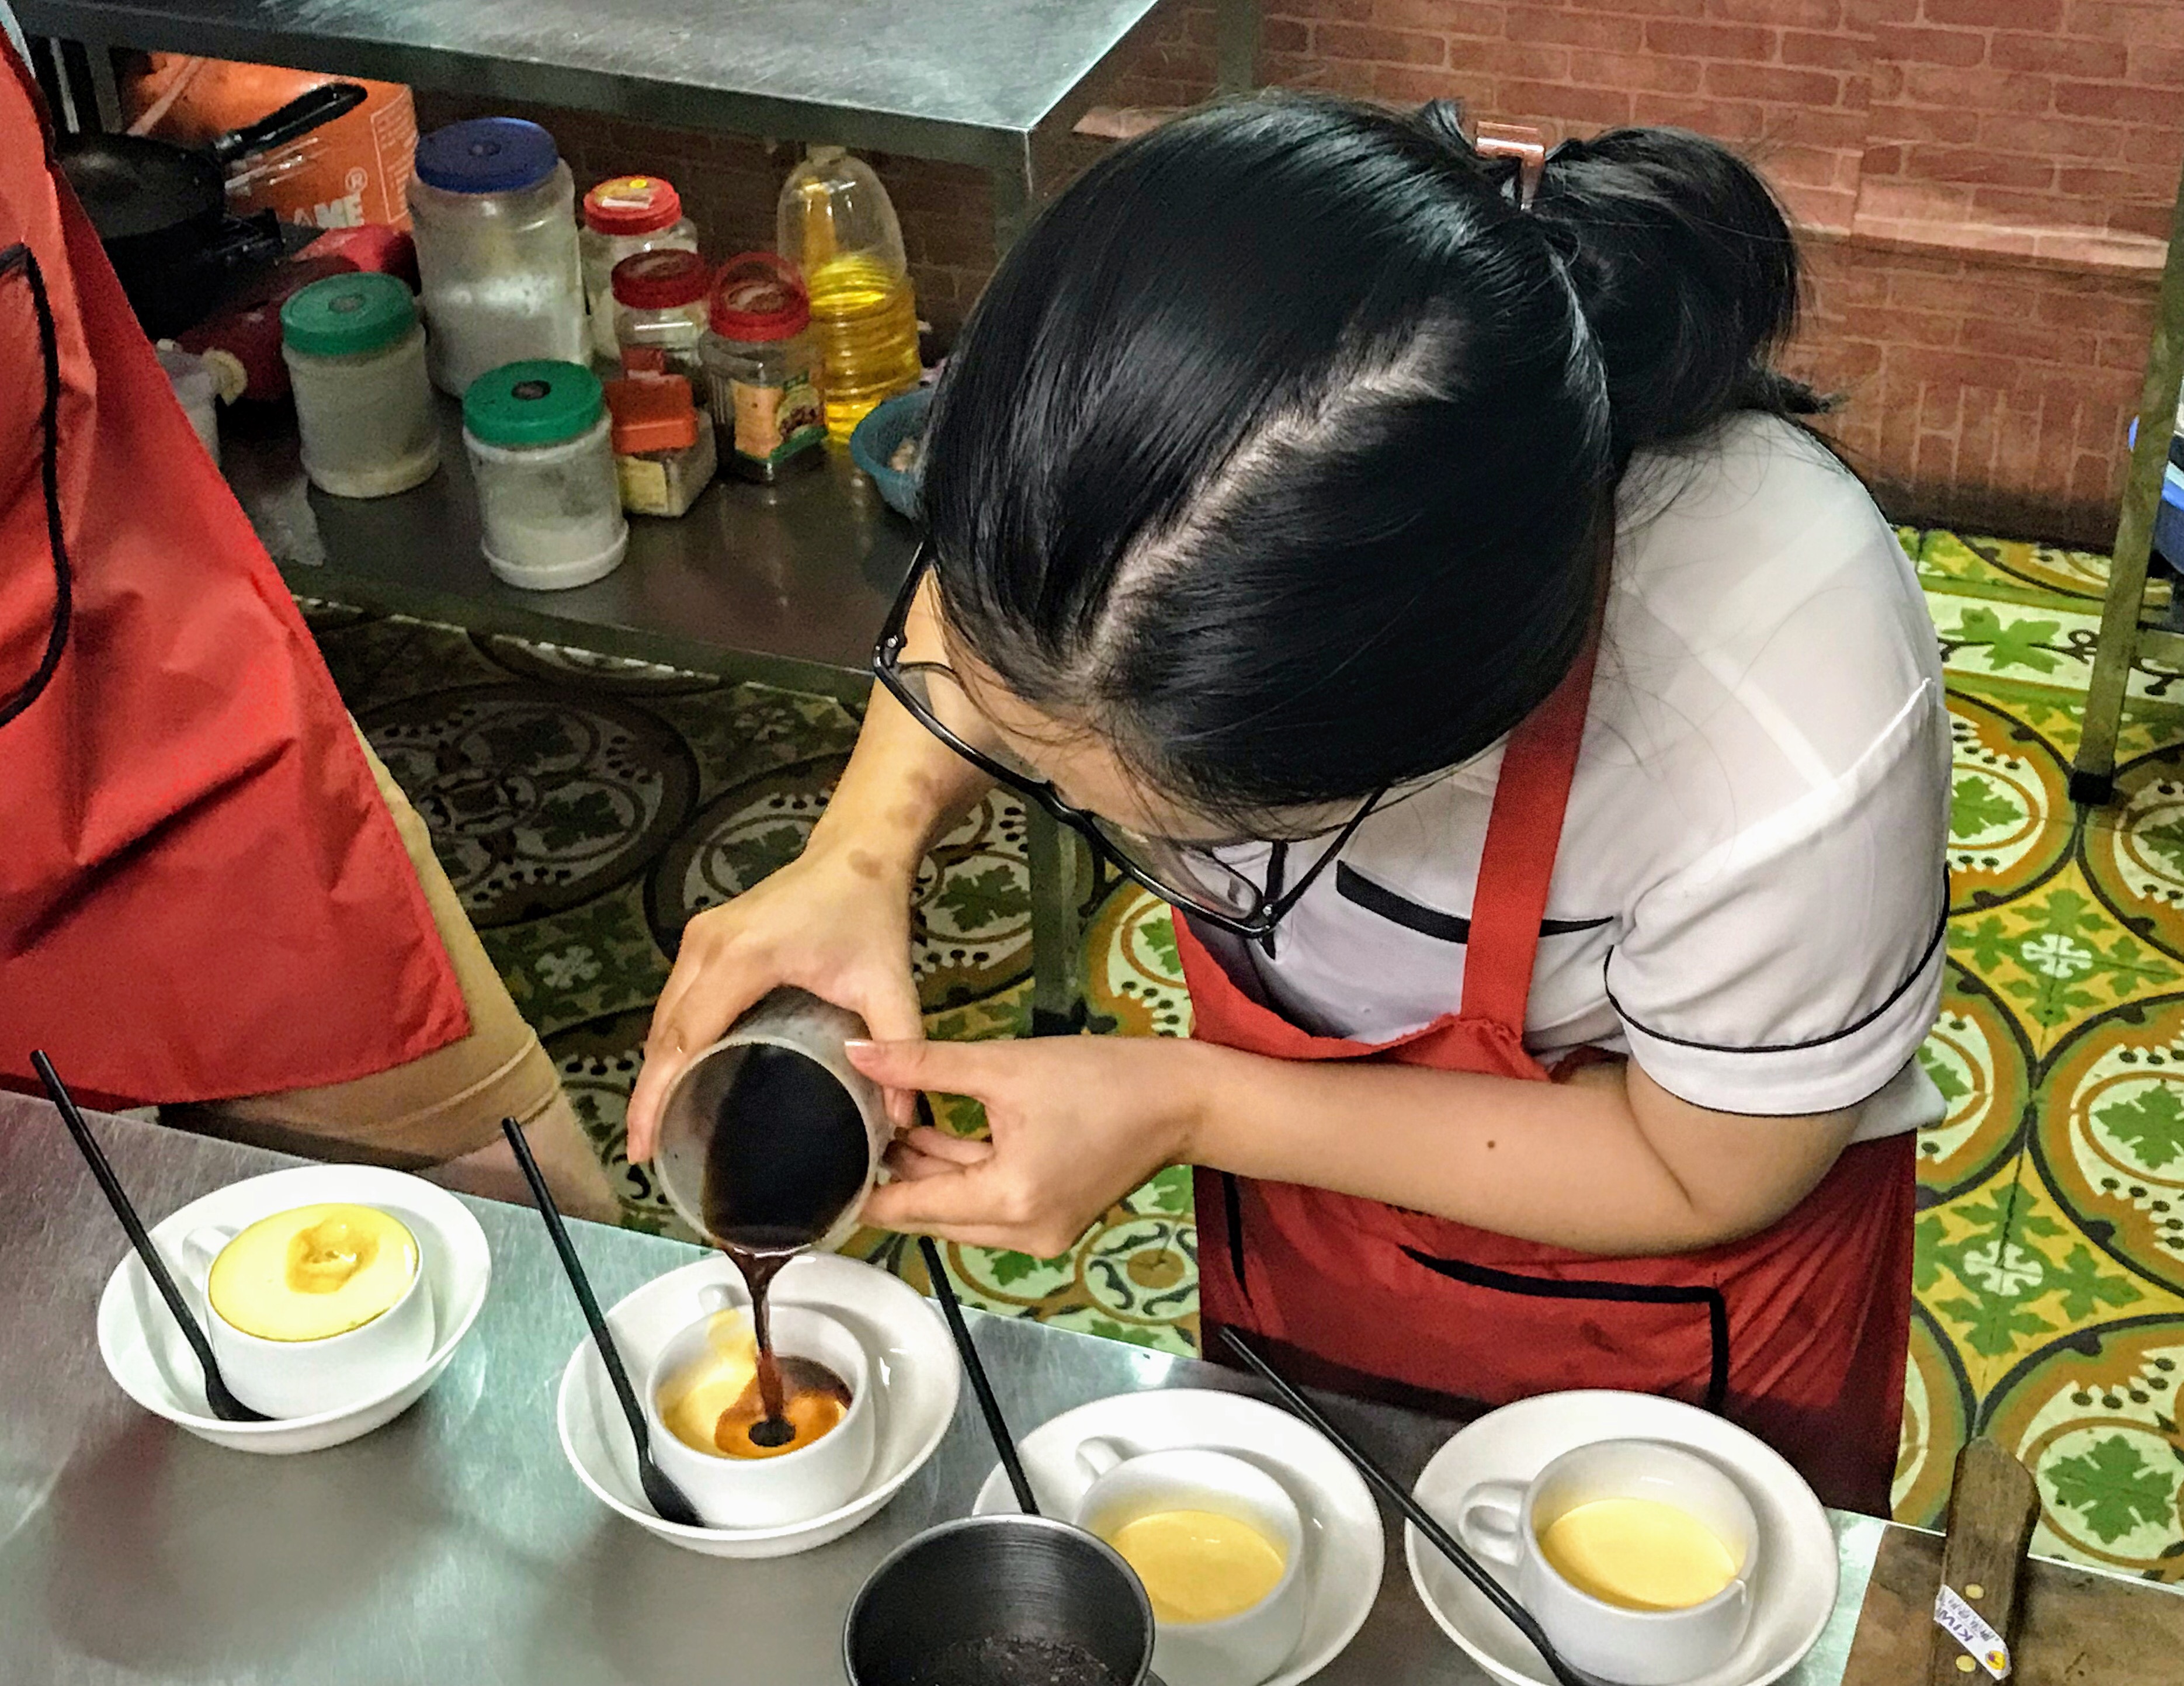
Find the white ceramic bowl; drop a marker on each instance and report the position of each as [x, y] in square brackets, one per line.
[150, 1360]
[915, 1371]
[1793, 1593]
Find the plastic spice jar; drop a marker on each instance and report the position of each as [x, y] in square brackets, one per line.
[356, 359]
[537, 437]
[493, 209]
[661, 313]
[663, 443]
[624, 215]
[763, 368]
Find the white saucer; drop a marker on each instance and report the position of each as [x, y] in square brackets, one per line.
[1345, 1549]
[1795, 1592]
[912, 1357]
[150, 1360]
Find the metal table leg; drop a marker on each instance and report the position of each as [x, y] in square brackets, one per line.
[2093, 775]
[1236, 47]
[1057, 932]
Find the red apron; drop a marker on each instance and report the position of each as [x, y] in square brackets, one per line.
[202, 895]
[1798, 1333]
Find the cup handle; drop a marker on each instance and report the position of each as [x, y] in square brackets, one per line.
[201, 1245]
[1098, 1456]
[1487, 1521]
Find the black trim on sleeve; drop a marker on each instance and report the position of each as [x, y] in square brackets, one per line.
[1895, 995]
[1353, 886]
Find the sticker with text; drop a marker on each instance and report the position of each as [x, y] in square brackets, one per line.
[1970, 1629]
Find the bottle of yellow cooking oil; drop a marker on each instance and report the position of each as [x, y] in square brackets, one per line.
[836, 225]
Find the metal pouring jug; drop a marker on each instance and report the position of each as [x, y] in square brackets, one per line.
[703, 1101]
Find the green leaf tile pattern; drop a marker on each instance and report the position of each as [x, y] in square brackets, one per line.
[587, 805]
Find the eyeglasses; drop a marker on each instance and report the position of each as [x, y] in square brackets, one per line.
[1191, 876]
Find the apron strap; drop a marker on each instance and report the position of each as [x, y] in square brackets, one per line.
[1518, 860]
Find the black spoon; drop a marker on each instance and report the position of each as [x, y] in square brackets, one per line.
[1005, 1443]
[666, 1498]
[223, 1404]
[1567, 1673]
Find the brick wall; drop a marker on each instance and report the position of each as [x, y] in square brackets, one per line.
[1986, 185]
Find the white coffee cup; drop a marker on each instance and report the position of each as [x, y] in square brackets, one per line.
[797, 1486]
[312, 1378]
[1503, 1520]
[1237, 1650]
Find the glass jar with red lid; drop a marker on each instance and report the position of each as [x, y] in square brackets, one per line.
[763, 368]
[660, 311]
[624, 215]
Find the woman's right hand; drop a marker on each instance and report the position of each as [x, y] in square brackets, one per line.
[835, 921]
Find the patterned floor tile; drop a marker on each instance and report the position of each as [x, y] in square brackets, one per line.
[1981, 1061]
[1939, 1403]
[2108, 1139]
[1974, 1276]
[2010, 823]
[2094, 1416]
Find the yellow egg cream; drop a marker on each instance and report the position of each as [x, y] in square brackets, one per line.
[313, 1272]
[1638, 1554]
[1199, 1566]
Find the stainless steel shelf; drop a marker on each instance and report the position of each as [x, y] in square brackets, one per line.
[787, 584]
[968, 81]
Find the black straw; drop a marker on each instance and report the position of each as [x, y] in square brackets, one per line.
[222, 1403]
[1416, 1514]
[997, 1425]
[671, 1503]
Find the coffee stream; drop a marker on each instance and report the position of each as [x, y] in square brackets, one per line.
[786, 1156]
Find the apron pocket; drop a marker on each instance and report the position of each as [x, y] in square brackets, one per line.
[1635, 1348]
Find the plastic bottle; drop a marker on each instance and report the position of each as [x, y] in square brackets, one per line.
[493, 208]
[836, 225]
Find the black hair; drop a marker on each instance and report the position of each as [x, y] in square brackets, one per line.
[1281, 452]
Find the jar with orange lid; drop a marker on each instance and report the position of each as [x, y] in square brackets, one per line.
[624, 215]
[663, 443]
[763, 368]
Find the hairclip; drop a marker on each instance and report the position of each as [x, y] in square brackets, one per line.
[1519, 140]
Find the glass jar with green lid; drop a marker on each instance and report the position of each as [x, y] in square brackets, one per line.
[537, 436]
[364, 403]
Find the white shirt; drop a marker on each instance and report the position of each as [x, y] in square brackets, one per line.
[1749, 893]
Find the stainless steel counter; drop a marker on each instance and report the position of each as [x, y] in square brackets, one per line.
[454, 1545]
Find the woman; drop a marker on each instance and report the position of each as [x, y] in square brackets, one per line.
[212, 894]
[1436, 598]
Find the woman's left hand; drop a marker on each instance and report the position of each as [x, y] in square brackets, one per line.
[1075, 1123]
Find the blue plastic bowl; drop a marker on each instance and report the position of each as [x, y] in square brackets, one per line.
[876, 439]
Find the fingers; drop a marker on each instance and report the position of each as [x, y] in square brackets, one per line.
[931, 1153]
[970, 1205]
[704, 994]
[971, 1068]
[888, 1005]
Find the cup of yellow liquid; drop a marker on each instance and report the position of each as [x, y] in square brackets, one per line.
[1219, 1545]
[318, 1308]
[1637, 1558]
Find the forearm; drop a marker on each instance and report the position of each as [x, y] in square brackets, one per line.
[902, 789]
[903, 786]
[1610, 1164]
